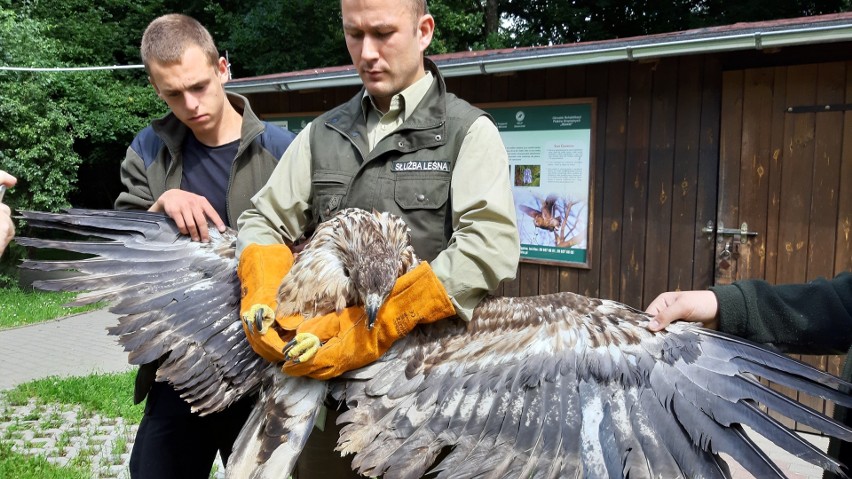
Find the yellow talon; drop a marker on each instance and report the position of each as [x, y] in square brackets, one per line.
[302, 347]
[259, 318]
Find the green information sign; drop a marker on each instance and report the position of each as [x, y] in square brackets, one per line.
[550, 164]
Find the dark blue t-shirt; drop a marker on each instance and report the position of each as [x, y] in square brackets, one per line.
[207, 170]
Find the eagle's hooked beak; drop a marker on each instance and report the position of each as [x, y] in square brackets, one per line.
[372, 305]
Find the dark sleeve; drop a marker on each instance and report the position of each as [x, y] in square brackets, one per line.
[810, 318]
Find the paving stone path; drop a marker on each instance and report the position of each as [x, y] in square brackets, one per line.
[67, 435]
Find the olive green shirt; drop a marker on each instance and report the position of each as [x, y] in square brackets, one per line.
[484, 248]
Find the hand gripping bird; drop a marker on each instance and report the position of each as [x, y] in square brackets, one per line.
[546, 386]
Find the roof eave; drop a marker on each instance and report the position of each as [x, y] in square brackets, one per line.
[562, 56]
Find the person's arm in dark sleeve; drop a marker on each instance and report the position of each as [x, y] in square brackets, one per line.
[809, 318]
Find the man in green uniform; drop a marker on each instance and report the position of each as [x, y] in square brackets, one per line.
[402, 145]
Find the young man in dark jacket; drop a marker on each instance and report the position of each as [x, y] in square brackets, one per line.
[811, 318]
[200, 163]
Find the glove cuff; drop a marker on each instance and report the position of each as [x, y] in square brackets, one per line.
[261, 269]
[418, 297]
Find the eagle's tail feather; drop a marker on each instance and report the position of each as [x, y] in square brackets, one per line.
[277, 430]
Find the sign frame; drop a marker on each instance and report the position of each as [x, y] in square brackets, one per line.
[551, 146]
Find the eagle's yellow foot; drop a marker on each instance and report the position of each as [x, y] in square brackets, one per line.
[302, 347]
[259, 318]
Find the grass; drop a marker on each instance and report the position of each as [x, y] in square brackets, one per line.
[109, 395]
[20, 307]
[21, 466]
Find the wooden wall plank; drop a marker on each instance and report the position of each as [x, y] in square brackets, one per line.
[778, 150]
[528, 279]
[708, 171]
[518, 86]
[843, 246]
[576, 82]
[684, 178]
[634, 209]
[660, 188]
[828, 137]
[797, 170]
[729, 166]
[615, 155]
[554, 82]
[548, 279]
[499, 88]
[755, 159]
[597, 85]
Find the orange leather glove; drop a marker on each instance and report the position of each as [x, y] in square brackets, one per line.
[261, 269]
[417, 297]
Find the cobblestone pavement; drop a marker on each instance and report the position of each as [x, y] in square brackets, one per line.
[64, 434]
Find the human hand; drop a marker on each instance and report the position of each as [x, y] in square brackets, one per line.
[190, 212]
[7, 227]
[700, 306]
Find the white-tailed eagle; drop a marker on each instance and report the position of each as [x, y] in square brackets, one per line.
[549, 386]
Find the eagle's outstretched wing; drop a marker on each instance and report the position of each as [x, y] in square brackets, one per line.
[548, 386]
[568, 386]
[156, 278]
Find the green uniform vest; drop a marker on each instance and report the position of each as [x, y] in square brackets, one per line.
[409, 171]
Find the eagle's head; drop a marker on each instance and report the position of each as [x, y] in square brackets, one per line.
[382, 253]
[374, 275]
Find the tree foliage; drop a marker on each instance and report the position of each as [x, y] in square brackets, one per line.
[57, 121]
[273, 36]
[546, 22]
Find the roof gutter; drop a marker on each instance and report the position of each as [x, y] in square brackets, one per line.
[570, 55]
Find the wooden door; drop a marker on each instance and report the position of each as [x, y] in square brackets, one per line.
[786, 172]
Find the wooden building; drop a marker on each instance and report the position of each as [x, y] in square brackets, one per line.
[700, 136]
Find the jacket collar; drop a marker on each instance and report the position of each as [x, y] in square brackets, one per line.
[173, 132]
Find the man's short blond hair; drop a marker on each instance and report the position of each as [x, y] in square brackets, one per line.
[167, 38]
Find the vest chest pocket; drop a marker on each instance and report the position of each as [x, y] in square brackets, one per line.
[328, 190]
[427, 193]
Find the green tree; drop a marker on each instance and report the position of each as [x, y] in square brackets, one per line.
[273, 36]
[105, 108]
[36, 139]
[56, 122]
[545, 22]
[465, 25]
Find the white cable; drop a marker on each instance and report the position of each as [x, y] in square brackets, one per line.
[68, 69]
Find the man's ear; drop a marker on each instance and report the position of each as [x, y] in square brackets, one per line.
[222, 69]
[426, 28]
